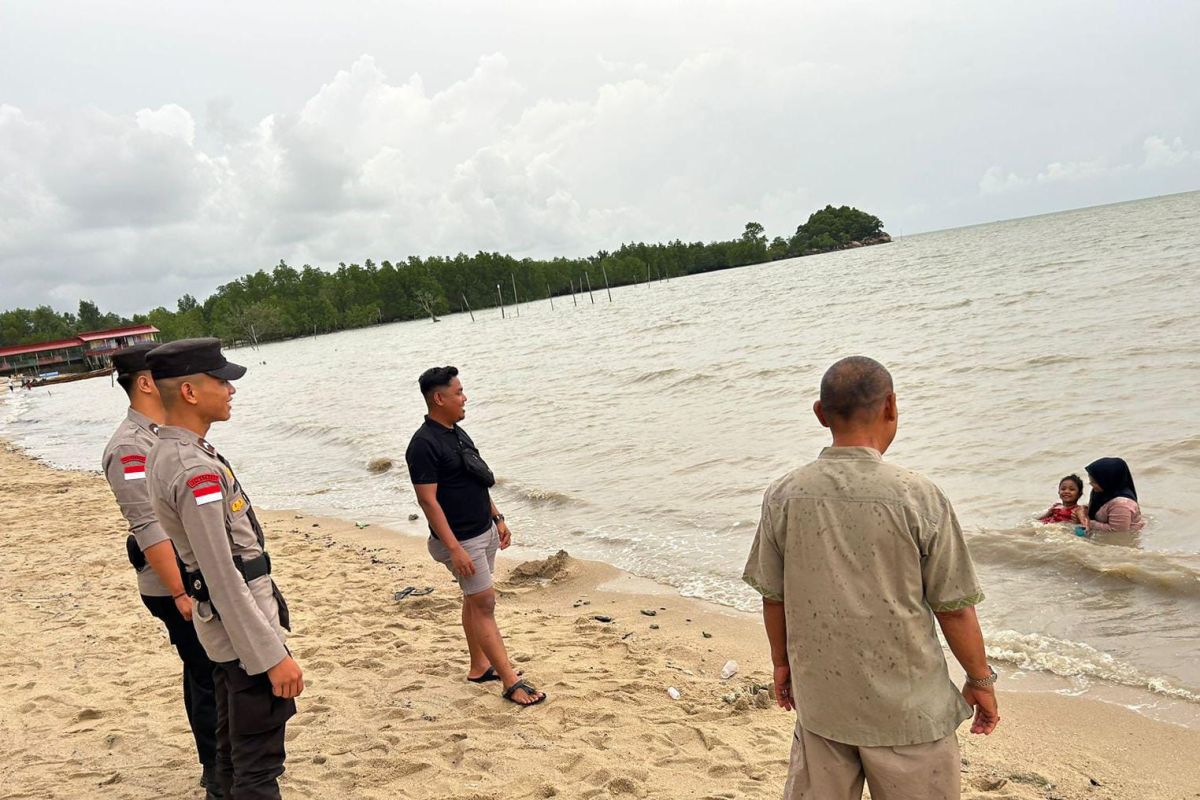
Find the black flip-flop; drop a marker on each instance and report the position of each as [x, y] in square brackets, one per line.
[489, 675]
[529, 690]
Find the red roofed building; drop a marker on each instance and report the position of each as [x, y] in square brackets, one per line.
[87, 351]
[100, 343]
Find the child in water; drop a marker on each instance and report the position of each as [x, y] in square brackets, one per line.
[1070, 489]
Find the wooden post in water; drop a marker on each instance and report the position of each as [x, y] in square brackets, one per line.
[602, 269]
[501, 297]
[647, 274]
[589, 282]
[468, 305]
[516, 301]
[573, 300]
[551, 296]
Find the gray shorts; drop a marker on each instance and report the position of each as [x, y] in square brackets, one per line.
[482, 549]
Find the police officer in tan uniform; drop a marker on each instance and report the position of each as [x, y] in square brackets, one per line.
[239, 614]
[151, 554]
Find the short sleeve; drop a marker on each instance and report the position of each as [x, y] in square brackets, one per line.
[764, 567]
[125, 469]
[422, 461]
[947, 571]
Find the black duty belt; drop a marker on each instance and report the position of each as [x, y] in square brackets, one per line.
[197, 588]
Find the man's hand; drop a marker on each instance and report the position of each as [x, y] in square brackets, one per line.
[184, 604]
[987, 714]
[464, 567]
[287, 681]
[505, 534]
[783, 688]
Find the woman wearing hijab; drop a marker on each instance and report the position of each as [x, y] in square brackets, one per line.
[1113, 504]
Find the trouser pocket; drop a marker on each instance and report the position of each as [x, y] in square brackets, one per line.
[253, 707]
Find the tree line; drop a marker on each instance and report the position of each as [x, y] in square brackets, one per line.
[285, 302]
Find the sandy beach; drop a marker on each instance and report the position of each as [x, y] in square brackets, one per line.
[89, 696]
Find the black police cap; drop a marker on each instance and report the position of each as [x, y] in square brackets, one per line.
[131, 360]
[192, 357]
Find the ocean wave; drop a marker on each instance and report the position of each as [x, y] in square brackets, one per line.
[694, 379]
[328, 433]
[536, 495]
[653, 376]
[1056, 545]
[1033, 651]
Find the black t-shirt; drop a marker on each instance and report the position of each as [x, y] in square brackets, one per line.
[433, 457]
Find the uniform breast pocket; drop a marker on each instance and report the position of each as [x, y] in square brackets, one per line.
[241, 530]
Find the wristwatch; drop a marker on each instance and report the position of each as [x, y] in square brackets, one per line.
[498, 519]
[983, 683]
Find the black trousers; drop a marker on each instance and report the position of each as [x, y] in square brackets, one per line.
[251, 723]
[199, 698]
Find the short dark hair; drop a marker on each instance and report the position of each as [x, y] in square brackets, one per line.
[435, 378]
[1075, 479]
[853, 386]
[126, 382]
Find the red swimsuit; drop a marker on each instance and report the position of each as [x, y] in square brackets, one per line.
[1060, 513]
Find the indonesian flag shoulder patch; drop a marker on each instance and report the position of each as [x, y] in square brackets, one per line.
[134, 467]
[207, 493]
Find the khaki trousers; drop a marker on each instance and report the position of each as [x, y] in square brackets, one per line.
[822, 769]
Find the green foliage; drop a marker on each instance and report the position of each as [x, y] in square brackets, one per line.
[832, 228]
[284, 302]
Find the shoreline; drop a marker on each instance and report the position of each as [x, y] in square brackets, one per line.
[386, 713]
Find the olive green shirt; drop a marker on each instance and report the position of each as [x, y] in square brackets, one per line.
[861, 553]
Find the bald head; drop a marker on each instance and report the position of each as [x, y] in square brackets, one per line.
[854, 389]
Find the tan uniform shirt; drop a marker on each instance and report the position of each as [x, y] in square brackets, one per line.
[124, 465]
[861, 553]
[201, 506]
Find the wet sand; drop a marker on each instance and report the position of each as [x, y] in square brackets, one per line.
[89, 686]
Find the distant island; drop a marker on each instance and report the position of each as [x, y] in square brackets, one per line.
[285, 302]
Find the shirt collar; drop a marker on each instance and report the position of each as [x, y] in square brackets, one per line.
[184, 435]
[140, 419]
[437, 426]
[851, 454]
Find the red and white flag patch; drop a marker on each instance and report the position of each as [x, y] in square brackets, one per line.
[205, 488]
[206, 494]
[134, 467]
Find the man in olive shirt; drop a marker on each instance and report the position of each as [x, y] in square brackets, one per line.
[159, 582]
[855, 558]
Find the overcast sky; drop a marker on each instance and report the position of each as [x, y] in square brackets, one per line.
[152, 149]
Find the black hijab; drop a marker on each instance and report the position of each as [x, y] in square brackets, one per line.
[1115, 481]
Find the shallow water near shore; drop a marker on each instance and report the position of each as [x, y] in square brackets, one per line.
[643, 432]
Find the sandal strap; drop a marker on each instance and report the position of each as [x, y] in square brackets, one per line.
[521, 684]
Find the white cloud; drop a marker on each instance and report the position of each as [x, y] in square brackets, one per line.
[997, 181]
[1159, 153]
[651, 123]
[1076, 171]
[170, 120]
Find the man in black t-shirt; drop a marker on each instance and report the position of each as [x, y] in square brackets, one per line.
[451, 481]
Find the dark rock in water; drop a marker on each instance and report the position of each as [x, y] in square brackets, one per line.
[602, 618]
[413, 517]
[706, 634]
[649, 612]
[653, 626]
[378, 465]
